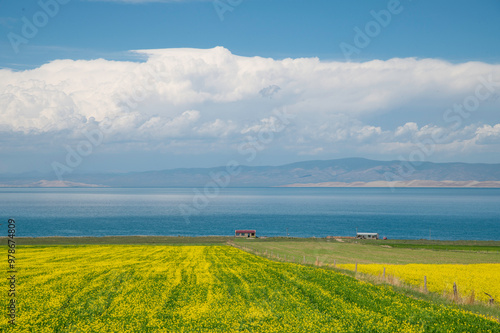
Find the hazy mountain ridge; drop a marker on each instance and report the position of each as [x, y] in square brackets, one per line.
[410, 183]
[347, 170]
[52, 183]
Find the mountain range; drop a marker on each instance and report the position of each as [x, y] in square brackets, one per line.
[348, 172]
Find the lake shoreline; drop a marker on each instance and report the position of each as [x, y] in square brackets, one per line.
[222, 240]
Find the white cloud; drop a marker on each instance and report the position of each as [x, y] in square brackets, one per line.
[194, 94]
[270, 124]
[488, 134]
[158, 127]
[407, 130]
[217, 128]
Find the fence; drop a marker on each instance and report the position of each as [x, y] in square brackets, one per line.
[384, 278]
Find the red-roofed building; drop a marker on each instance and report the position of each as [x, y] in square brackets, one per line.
[244, 233]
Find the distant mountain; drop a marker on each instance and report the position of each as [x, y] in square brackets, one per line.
[348, 170]
[50, 183]
[401, 183]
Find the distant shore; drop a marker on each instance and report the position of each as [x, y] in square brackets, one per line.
[378, 183]
[406, 183]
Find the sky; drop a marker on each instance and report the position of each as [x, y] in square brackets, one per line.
[117, 86]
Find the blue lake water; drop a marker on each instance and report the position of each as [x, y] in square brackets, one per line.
[408, 213]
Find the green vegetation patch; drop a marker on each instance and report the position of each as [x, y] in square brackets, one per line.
[133, 288]
[120, 240]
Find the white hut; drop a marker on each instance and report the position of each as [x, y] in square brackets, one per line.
[366, 235]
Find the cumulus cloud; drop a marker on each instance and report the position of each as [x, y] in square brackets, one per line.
[194, 95]
[488, 134]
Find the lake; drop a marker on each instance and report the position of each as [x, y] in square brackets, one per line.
[405, 213]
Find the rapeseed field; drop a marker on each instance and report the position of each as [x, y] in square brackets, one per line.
[127, 288]
[476, 279]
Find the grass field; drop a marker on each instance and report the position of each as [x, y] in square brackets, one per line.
[153, 288]
[433, 259]
[120, 240]
[463, 245]
[377, 252]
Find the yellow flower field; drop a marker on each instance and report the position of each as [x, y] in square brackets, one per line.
[480, 278]
[126, 288]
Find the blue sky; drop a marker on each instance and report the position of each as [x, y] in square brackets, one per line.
[383, 101]
[453, 30]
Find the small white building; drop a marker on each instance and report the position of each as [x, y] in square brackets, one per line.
[366, 235]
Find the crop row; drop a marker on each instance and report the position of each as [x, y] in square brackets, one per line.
[208, 289]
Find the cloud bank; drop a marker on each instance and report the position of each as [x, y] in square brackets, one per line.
[190, 100]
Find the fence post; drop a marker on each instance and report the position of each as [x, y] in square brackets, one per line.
[384, 272]
[334, 263]
[425, 283]
[472, 297]
[304, 259]
[492, 300]
[317, 261]
[455, 291]
[356, 267]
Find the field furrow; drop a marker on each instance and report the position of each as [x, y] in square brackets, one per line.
[125, 288]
